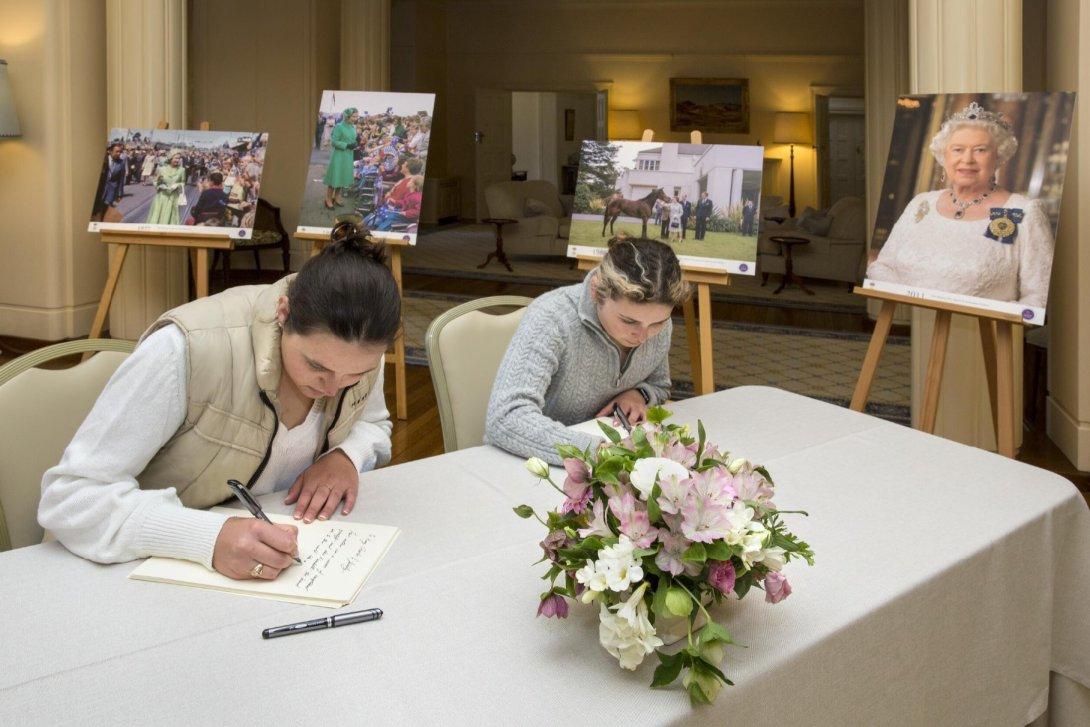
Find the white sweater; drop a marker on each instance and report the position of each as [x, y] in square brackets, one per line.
[91, 500]
[927, 250]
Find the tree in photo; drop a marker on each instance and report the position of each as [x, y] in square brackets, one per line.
[598, 174]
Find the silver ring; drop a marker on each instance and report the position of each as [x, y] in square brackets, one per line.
[256, 570]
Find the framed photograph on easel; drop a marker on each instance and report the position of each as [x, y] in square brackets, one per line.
[179, 181]
[971, 200]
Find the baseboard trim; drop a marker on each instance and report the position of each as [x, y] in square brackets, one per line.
[47, 324]
[1070, 435]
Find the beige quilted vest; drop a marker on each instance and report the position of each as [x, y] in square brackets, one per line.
[232, 377]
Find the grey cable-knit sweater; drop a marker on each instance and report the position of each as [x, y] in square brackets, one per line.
[561, 368]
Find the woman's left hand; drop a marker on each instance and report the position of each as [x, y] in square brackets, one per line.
[631, 403]
[323, 485]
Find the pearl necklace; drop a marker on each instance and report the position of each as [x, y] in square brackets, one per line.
[961, 207]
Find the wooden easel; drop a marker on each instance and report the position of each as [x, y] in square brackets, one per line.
[700, 346]
[996, 338]
[198, 246]
[397, 356]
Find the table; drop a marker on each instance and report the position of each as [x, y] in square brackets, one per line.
[498, 253]
[948, 583]
[787, 244]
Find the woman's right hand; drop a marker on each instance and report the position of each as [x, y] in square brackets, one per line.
[244, 542]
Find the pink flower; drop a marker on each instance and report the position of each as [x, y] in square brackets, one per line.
[634, 521]
[776, 587]
[578, 472]
[578, 502]
[704, 520]
[683, 455]
[673, 494]
[721, 574]
[751, 486]
[553, 542]
[673, 547]
[598, 524]
[715, 485]
[554, 605]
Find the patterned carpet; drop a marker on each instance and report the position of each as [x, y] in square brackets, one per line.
[457, 251]
[819, 364]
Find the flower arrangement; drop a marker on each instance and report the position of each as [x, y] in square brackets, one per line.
[656, 527]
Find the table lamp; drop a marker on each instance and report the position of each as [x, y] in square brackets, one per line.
[792, 127]
[9, 121]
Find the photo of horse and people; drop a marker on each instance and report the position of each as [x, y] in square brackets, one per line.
[702, 199]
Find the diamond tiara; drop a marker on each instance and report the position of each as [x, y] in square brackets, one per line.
[976, 112]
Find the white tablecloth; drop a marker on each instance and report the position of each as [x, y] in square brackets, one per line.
[949, 584]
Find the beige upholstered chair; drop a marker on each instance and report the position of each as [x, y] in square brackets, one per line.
[836, 256]
[465, 347]
[541, 234]
[40, 410]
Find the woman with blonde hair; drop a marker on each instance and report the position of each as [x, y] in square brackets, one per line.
[972, 237]
[169, 192]
[581, 349]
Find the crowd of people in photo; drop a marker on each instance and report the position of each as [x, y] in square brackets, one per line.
[673, 217]
[227, 180]
[379, 160]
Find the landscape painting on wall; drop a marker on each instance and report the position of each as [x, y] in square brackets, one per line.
[701, 199]
[709, 105]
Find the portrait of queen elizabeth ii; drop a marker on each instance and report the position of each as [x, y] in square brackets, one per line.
[983, 230]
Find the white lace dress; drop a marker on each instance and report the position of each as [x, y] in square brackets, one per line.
[927, 250]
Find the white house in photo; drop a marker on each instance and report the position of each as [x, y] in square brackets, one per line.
[686, 170]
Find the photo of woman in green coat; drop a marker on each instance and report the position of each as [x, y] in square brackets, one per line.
[338, 174]
[169, 185]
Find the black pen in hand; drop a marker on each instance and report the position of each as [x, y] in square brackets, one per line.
[250, 503]
[619, 413]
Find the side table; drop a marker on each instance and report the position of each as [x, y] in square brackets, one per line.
[498, 253]
[787, 244]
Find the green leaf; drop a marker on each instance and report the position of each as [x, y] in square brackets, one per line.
[719, 550]
[764, 473]
[678, 602]
[658, 603]
[712, 632]
[524, 511]
[696, 553]
[609, 432]
[702, 438]
[696, 695]
[567, 451]
[639, 553]
[552, 574]
[743, 584]
[702, 664]
[668, 670]
[658, 414]
[654, 512]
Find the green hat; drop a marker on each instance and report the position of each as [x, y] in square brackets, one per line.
[349, 111]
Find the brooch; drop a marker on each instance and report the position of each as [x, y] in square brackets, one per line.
[1004, 224]
[922, 210]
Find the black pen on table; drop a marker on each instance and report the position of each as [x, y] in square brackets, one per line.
[329, 622]
[250, 503]
[617, 412]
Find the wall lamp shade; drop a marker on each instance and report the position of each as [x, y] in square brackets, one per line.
[625, 124]
[792, 127]
[9, 121]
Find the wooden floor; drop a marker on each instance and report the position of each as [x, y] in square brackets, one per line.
[421, 436]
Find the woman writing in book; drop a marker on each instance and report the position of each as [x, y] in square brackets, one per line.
[278, 386]
[581, 349]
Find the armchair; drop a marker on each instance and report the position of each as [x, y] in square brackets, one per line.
[545, 233]
[836, 256]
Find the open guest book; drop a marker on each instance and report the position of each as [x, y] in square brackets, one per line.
[338, 557]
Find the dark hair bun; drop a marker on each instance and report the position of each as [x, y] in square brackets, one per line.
[619, 239]
[349, 238]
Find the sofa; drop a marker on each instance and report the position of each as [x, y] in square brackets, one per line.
[542, 216]
[837, 255]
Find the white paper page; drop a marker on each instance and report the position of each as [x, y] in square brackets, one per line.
[338, 557]
[593, 429]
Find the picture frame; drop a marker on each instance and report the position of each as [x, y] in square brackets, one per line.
[710, 105]
[569, 124]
